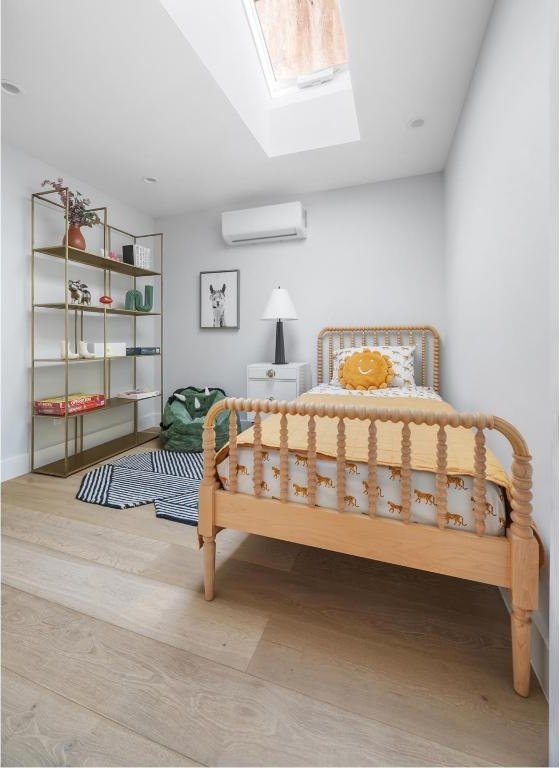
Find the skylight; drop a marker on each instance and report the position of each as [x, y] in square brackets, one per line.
[300, 42]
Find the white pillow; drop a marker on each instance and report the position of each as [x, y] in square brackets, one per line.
[400, 356]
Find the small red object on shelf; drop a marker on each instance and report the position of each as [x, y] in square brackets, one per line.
[106, 300]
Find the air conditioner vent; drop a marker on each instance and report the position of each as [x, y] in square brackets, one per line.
[266, 224]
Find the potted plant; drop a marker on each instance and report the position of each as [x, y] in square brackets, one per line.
[78, 215]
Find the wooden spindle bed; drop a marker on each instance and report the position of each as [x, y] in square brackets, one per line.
[510, 561]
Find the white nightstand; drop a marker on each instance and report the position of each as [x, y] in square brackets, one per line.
[267, 381]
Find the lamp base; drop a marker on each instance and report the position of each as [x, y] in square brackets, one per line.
[280, 349]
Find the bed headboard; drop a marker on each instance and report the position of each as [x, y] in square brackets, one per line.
[426, 339]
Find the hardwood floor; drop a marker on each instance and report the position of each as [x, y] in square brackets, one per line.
[306, 657]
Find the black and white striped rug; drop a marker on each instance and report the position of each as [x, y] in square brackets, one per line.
[167, 479]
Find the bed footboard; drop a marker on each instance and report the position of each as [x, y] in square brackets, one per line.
[511, 561]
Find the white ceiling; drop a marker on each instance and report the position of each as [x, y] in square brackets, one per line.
[114, 92]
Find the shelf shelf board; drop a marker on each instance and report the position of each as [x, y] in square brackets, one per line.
[57, 360]
[85, 459]
[93, 260]
[110, 403]
[98, 310]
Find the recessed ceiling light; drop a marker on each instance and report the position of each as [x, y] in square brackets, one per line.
[417, 122]
[12, 88]
[150, 179]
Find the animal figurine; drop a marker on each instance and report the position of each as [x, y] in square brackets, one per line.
[79, 292]
[75, 291]
[86, 294]
[217, 297]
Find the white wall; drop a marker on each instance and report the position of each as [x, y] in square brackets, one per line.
[22, 175]
[554, 297]
[374, 255]
[497, 255]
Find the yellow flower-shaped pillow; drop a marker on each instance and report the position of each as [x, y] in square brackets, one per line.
[366, 370]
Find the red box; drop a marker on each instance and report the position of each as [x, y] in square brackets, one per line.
[78, 402]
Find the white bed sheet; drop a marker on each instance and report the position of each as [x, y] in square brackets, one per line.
[333, 389]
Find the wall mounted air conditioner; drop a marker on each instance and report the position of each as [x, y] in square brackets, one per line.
[267, 224]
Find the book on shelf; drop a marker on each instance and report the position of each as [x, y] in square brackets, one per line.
[143, 351]
[138, 394]
[78, 402]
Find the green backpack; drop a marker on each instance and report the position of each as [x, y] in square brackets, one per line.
[183, 419]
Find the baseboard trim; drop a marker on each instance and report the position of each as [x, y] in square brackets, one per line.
[15, 466]
[540, 648]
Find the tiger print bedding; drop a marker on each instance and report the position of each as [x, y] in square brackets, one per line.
[460, 503]
[460, 514]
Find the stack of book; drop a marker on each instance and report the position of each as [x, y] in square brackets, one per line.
[138, 394]
[78, 402]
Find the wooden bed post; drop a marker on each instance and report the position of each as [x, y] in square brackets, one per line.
[524, 552]
[209, 567]
[206, 501]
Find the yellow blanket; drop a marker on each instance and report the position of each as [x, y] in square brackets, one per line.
[460, 441]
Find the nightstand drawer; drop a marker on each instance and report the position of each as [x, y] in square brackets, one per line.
[271, 389]
[268, 381]
[271, 371]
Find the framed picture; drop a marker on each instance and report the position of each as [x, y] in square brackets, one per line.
[219, 299]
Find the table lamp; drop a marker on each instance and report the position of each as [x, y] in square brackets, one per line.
[279, 307]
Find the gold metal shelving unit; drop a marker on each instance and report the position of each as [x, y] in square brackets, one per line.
[76, 457]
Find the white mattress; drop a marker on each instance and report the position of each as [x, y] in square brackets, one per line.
[423, 510]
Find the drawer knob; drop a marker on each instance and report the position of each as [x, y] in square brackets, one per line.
[270, 373]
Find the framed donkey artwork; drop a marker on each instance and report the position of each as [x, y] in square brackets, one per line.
[219, 299]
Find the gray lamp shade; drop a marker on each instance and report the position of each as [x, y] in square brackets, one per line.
[279, 306]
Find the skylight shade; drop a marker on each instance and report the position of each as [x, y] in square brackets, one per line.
[302, 36]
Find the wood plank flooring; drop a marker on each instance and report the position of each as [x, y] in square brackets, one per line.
[306, 657]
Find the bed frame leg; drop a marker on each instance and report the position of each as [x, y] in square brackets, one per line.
[524, 563]
[521, 628]
[524, 594]
[209, 567]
